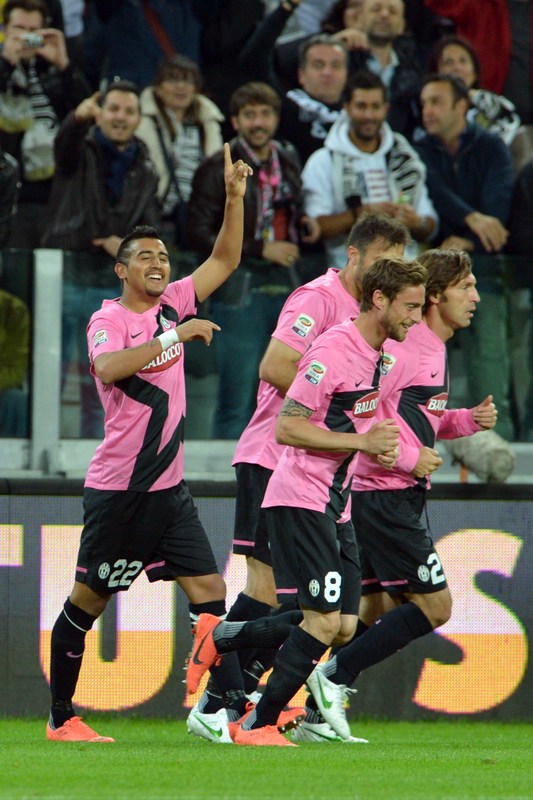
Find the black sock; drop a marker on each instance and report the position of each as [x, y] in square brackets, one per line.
[262, 658]
[68, 645]
[266, 632]
[295, 661]
[227, 676]
[211, 700]
[215, 607]
[386, 636]
[244, 609]
[312, 713]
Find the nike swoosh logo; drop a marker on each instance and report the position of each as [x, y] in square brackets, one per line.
[358, 383]
[335, 738]
[70, 654]
[217, 732]
[434, 373]
[195, 659]
[325, 699]
[134, 335]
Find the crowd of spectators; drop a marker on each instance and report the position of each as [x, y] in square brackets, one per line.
[113, 113]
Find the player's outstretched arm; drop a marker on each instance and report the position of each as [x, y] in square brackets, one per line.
[227, 249]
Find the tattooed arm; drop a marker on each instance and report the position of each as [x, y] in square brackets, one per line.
[295, 429]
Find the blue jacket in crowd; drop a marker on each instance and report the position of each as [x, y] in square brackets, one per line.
[479, 177]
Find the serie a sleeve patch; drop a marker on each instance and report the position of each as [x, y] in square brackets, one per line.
[303, 325]
[315, 372]
[100, 337]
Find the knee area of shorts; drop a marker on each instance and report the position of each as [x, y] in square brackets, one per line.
[439, 613]
[324, 627]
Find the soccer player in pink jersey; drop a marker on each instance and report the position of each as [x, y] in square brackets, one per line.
[327, 415]
[138, 513]
[403, 582]
[309, 311]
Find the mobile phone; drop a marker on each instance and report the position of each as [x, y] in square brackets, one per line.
[32, 40]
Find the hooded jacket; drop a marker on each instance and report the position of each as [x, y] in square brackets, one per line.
[340, 170]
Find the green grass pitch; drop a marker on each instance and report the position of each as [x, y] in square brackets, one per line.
[157, 760]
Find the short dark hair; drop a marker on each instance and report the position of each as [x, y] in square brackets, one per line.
[319, 39]
[372, 227]
[364, 79]
[119, 85]
[446, 41]
[125, 248]
[457, 85]
[26, 5]
[333, 22]
[390, 276]
[254, 93]
[445, 268]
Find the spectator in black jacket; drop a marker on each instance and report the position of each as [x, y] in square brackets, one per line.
[308, 113]
[38, 87]
[105, 185]
[248, 305]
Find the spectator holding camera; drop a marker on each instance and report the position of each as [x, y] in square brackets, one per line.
[38, 87]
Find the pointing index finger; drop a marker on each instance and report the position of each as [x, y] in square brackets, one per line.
[227, 157]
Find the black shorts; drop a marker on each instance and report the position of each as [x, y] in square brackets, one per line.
[315, 560]
[397, 552]
[126, 532]
[250, 536]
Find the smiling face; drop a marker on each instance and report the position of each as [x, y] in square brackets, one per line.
[147, 273]
[256, 123]
[119, 117]
[403, 312]
[367, 110]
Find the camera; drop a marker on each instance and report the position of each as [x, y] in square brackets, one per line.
[32, 40]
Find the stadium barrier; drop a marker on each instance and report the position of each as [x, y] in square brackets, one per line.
[476, 666]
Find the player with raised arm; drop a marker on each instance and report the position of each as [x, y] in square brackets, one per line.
[138, 513]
